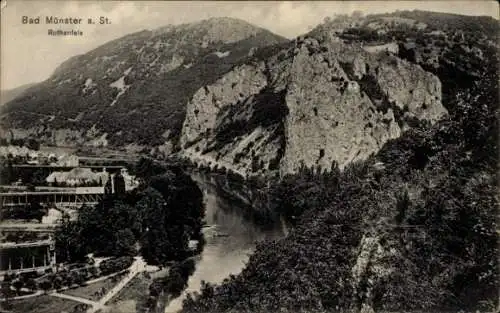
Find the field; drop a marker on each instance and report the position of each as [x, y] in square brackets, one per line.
[131, 297]
[89, 291]
[137, 288]
[42, 304]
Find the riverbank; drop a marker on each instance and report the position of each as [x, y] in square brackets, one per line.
[231, 234]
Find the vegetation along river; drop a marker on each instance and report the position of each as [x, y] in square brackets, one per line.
[231, 234]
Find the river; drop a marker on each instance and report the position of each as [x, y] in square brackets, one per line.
[230, 235]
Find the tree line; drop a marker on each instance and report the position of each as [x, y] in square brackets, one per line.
[155, 220]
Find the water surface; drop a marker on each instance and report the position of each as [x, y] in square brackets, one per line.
[231, 237]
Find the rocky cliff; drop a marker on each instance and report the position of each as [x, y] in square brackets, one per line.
[317, 102]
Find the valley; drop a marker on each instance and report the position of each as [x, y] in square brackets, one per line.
[223, 168]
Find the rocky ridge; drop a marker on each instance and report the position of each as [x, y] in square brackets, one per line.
[315, 103]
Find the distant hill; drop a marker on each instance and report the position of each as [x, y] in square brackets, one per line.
[133, 89]
[10, 94]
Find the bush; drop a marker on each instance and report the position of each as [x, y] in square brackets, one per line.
[45, 284]
[31, 284]
[18, 284]
[115, 264]
[58, 282]
[176, 283]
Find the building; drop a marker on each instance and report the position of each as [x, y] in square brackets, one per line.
[77, 176]
[27, 248]
[391, 47]
[27, 256]
[68, 160]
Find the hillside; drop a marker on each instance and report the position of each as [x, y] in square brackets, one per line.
[10, 94]
[410, 229]
[206, 91]
[133, 89]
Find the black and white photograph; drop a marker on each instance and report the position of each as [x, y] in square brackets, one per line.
[249, 156]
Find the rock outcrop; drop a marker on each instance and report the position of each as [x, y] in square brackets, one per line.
[315, 103]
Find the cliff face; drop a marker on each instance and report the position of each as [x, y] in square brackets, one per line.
[317, 102]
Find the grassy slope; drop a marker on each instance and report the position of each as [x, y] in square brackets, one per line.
[43, 304]
[88, 292]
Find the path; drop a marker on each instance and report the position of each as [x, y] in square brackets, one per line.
[138, 266]
[41, 292]
[36, 294]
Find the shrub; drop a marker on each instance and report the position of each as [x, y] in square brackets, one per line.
[45, 284]
[18, 284]
[31, 284]
[115, 264]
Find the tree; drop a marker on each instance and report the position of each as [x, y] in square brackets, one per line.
[147, 168]
[110, 228]
[30, 186]
[38, 178]
[36, 211]
[115, 264]
[156, 288]
[7, 174]
[357, 14]
[69, 279]
[108, 188]
[154, 241]
[184, 199]
[77, 277]
[125, 242]
[32, 144]
[71, 246]
[172, 213]
[119, 184]
[6, 291]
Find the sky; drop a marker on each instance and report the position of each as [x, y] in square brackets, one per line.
[29, 54]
